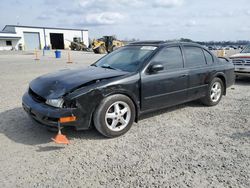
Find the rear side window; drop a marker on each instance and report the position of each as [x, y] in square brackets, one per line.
[194, 56]
[209, 57]
[170, 58]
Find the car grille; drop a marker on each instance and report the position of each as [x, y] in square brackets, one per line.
[36, 97]
[243, 62]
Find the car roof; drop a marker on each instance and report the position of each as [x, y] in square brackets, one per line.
[148, 42]
[159, 43]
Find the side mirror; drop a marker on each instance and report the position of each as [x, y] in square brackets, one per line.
[224, 59]
[156, 68]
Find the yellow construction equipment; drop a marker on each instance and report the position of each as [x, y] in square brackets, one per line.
[106, 44]
[77, 44]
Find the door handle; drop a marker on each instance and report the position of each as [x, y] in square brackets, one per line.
[183, 75]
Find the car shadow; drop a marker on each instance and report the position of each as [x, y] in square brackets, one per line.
[243, 81]
[18, 127]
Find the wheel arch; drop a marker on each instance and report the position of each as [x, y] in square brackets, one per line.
[223, 79]
[131, 97]
[125, 93]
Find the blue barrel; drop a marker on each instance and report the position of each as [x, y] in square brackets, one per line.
[58, 54]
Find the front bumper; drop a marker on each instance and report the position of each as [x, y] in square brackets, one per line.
[242, 70]
[48, 115]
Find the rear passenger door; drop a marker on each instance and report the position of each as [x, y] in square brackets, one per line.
[198, 71]
[167, 87]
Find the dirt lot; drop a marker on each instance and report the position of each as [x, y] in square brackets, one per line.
[185, 146]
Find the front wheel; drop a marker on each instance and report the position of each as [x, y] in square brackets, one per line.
[102, 49]
[114, 116]
[214, 93]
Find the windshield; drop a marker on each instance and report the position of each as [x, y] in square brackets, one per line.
[128, 58]
[246, 49]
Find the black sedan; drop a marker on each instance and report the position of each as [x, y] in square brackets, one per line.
[141, 77]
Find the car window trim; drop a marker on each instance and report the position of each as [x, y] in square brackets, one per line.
[204, 50]
[190, 45]
[165, 70]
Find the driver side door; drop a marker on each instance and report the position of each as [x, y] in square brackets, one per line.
[166, 87]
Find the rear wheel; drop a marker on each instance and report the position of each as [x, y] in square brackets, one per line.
[114, 116]
[214, 93]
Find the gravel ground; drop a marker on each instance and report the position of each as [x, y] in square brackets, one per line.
[185, 146]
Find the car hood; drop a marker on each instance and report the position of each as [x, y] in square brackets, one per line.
[241, 55]
[57, 84]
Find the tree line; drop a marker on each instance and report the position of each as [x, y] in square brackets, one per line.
[218, 43]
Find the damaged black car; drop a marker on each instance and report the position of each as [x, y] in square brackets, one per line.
[112, 93]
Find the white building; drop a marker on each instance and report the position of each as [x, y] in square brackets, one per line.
[29, 38]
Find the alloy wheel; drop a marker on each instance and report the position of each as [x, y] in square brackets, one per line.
[215, 92]
[117, 116]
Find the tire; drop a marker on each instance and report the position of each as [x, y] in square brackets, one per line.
[96, 51]
[214, 93]
[102, 50]
[114, 116]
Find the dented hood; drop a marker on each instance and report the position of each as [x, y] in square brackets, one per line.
[55, 85]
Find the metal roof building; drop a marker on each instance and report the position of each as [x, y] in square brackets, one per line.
[16, 37]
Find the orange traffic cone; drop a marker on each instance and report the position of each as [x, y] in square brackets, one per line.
[36, 55]
[69, 58]
[60, 138]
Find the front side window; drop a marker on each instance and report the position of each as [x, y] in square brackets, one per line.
[169, 57]
[127, 58]
[194, 56]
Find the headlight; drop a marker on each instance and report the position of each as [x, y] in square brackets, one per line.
[55, 102]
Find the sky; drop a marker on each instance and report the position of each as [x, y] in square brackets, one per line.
[199, 20]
